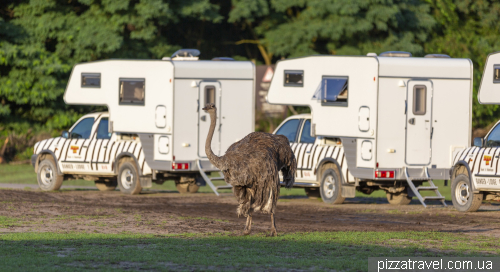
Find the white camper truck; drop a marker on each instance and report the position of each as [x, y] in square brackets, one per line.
[475, 176]
[155, 130]
[395, 120]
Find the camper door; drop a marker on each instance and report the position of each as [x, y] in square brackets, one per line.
[209, 92]
[419, 122]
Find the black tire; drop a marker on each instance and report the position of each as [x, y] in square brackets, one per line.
[312, 192]
[128, 178]
[400, 198]
[106, 186]
[463, 198]
[331, 186]
[47, 176]
[187, 188]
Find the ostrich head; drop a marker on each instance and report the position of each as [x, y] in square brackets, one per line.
[210, 107]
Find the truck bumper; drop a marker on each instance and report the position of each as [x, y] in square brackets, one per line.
[33, 160]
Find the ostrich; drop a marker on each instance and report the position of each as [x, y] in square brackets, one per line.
[251, 166]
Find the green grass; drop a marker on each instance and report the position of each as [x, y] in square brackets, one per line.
[342, 251]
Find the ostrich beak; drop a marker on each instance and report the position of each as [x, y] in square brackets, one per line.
[205, 109]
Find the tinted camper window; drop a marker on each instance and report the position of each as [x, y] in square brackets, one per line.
[132, 91]
[91, 80]
[419, 99]
[210, 94]
[496, 73]
[333, 91]
[294, 78]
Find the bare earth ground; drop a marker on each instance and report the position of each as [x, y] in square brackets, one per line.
[170, 213]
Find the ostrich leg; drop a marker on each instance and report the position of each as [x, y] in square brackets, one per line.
[273, 226]
[248, 226]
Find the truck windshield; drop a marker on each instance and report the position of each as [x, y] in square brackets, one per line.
[289, 129]
[83, 129]
[494, 137]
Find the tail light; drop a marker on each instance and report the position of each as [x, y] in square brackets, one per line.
[384, 174]
[180, 166]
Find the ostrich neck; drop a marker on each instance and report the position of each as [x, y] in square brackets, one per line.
[214, 159]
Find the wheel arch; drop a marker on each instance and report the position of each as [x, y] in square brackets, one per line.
[44, 153]
[457, 167]
[126, 155]
[325, 161]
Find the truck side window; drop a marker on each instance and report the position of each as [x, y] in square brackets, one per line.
[132, 91]
[102, 130]
[494, 138]
[289, 129]
[210, 94]
[306, 137]
[83, 129]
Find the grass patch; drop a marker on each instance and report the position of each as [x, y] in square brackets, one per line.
[342, 251]
[6, 222]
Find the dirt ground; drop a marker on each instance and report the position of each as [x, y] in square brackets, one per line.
[170, 213]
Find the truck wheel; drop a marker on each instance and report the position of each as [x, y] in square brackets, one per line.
[47, 177]
[330, 186]
[312, 193]
[128, 178]
[106, 186]
[461, 195]
[400, 198]
[187, 188]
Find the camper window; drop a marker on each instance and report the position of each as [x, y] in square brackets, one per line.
[289, 129]
[210, 94]
[419, 99]
[91, 80]
[294, 78]
[333, 91]
[132, 91]
[496, 73]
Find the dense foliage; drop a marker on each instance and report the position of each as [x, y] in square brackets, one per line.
[40, 40]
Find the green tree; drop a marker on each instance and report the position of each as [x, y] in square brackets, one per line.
[468, 29]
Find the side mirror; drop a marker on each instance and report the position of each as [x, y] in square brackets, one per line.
[478, 141]
[65, 134]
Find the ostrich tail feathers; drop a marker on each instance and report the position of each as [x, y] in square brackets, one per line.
[289, 170]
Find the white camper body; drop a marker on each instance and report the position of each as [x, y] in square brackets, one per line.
[475, 174]
[161, 102]
[398, 118]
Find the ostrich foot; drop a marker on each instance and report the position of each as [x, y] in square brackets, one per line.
[273, 233]
[248, 226]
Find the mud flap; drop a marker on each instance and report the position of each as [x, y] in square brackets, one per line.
[348, 191]
[146, 182]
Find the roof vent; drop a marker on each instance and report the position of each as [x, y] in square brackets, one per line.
[186, 54]
[400, 54]
[371, 54]
[222, 59]
[437, 56]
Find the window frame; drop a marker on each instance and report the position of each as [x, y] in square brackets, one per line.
[335, 103]
[131, 103]
[293, 84]
[485, 141]
[496, 67]
[205, 93]
[415, 100]
[97, 129]
[82, 75]
[302, 125]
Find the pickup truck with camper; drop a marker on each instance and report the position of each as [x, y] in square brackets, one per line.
[154, 129]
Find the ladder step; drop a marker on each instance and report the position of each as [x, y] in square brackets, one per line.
[224, 187]
[433, 198]
[428, 188]
[217, 178]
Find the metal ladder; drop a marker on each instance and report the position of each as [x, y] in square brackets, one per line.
[432, 187]
[209, 180]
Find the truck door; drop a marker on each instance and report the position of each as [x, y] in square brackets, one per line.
[77, 147]
[419, 122]
[209, 92]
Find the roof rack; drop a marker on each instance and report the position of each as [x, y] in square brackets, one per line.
[437, 56]
[186, 54]
[400, 54]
